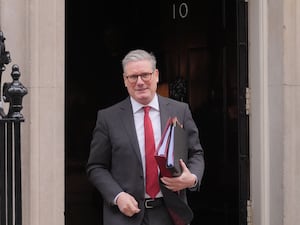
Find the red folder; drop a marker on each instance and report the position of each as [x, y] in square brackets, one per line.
[171, 148]
[161, 154]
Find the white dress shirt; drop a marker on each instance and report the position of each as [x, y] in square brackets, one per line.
[138, 114]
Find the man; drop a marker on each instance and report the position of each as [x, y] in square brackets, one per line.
[118, 159]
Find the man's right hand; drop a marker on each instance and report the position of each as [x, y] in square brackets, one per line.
[127, 204]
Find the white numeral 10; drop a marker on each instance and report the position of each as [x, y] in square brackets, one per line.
[182, 10]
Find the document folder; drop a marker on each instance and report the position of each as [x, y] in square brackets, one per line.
[172, 147]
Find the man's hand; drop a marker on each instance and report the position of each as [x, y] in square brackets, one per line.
[127, 204]
[185, 180]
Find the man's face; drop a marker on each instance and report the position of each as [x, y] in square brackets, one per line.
[144, 87]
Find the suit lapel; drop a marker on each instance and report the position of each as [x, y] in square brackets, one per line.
[128, 121]
[164, 112]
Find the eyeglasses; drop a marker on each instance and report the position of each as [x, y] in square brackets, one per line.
[144, 76]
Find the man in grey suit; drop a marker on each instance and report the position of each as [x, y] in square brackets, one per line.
[116, 165]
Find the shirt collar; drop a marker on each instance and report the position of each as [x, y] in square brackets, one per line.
[136, 106]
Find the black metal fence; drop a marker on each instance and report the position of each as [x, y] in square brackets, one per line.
[10, 142]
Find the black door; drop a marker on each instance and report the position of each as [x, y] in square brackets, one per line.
[201, 45]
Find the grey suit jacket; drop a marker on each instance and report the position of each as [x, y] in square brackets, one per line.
[115, 164]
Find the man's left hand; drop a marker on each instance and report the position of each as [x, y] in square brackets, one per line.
[185, 180]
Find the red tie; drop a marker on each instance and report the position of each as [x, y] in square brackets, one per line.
[152, 185]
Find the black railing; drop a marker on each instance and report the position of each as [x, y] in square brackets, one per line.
[10, 142]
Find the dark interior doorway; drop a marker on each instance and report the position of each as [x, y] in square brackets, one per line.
[197, 41]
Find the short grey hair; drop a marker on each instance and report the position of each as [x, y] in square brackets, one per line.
[139, 55]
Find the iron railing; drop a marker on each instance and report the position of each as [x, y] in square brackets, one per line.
[10, 142]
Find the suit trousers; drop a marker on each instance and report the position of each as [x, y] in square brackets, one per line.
[157, 216]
